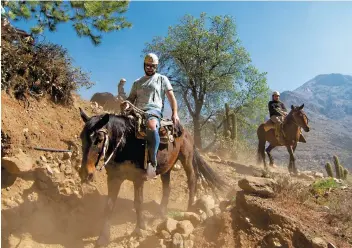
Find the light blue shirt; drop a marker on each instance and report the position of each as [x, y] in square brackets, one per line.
[148, 93]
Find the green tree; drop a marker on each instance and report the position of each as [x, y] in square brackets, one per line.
[206, 63]
[89, 18]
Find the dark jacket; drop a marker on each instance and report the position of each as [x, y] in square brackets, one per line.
[273, 105]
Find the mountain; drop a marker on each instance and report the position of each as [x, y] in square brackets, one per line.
[328, 103]
[329, 95]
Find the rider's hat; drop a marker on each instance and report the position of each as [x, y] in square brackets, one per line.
[151, 58]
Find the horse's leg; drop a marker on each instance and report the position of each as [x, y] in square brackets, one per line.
[113, 190]
[268, 150]
[291, 167]
[138, 202]
[294, 160]
[191, 178]
[165, 178]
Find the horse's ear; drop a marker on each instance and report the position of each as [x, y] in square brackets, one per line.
[102, 122]
[301, 107]
[292, 107]
[84, 116]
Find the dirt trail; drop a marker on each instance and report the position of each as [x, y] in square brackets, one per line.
[51, 209]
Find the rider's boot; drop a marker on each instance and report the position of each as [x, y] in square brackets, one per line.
[153, 139]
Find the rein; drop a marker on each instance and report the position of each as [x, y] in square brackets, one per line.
[293, 119]
[105, 148]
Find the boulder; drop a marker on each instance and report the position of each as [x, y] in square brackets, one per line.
[192, 217]
[177, 241]
[318, 242]
[185, 227]
[257, 185]
[169, 225]
[18, 163]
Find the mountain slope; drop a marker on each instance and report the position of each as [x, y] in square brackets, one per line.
[328, 104]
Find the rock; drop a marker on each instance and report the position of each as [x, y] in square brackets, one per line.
[43, 158]
[206, 203]
[68, 170]
[203, 216]
[192, 217]
[68, 191]
[169, 225]
[177, 167]
[177, 241]
[10, 203]
[161, 244]
[216, 211]
[318, 175]
[49, 170]
[56, 171]
[330, 245]
[66, 155]
[18, 163]
[185, 227]
[305, 176]
[25, 130]
[258, 185]
[188, 244]
[318, 242]
[165, 234]
[32, 197]
[223, 205]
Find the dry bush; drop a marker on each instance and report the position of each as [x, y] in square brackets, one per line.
[41, 69]
[287, 189]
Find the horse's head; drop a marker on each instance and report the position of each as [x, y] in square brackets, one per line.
[94, 143]
[300, 118]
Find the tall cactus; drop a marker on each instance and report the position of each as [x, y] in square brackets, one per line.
[328, 169]
[341, 171]
[337, 167]
[345, 173]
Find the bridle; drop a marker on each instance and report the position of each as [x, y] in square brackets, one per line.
[102, 152]
[304, 115]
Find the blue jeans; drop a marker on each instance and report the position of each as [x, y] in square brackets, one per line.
[153, 137]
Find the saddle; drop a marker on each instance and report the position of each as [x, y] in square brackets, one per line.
[167, 131]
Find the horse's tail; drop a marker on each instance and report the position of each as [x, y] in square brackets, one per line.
[261, 144]
[203, 170]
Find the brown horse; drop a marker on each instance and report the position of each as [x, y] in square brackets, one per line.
[109, 135]
[293, 123]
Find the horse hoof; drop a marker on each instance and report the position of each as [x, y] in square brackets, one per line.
[102, 241]
[273, 165]
[139, 232]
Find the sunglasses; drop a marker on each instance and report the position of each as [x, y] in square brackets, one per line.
[150, 66]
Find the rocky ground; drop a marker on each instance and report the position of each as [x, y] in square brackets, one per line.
[44, 203]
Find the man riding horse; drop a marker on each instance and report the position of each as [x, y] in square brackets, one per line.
[278, 112]
[147, 94]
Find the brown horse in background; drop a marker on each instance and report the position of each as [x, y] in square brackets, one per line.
[109, 134]
[293, 123]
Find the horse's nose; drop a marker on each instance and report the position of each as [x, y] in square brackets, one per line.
[307, 129]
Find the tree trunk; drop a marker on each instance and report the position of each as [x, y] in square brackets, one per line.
[234, 127]
[227, 126]
[197, 132]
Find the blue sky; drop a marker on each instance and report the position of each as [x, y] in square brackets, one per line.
[291, 41]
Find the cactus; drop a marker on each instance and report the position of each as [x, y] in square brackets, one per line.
[337, 167]
[345, 173]
[341, 171]
[329, 169]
